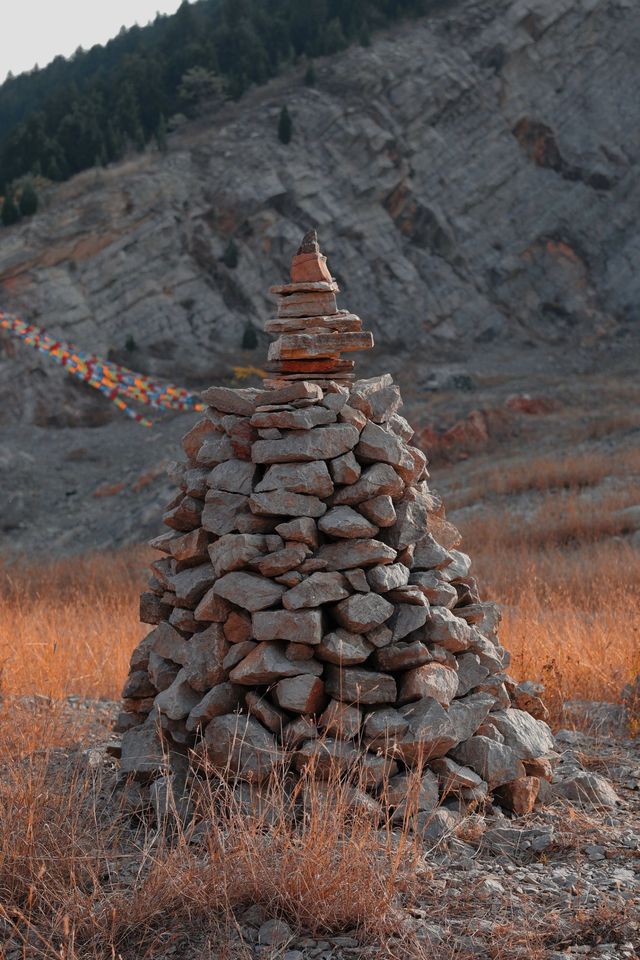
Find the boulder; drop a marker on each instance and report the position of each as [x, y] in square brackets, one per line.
[387, 577]
[356, 553]
[268, 662]
[302, 694]
[233, 476]
[345, 469]
[221, 510]
[241, 745]
[401, 656]
[248, 590]
[359, 686]
[362, 612]
[447, 630]
[495, 763]
[379, 510]
[315, 590]
[406, 619]
[302, 529]
[431, 733]
[529, 737]
[178, 700]
[323, 443]
[223, 698]
[297, 625]
[345, 522]
[429, 680]
[377, 480]
[312, 479]
[343, 648]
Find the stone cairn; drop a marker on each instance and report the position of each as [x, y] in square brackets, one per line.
[311, 608]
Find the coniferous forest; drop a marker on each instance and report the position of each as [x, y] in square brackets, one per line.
[94, 107]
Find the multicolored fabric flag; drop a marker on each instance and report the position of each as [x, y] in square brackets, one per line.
[116, 382]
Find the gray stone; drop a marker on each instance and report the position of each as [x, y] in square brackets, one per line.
[384, 726]
[193, 440]
[362, 612]
[233, 476]
[346, 522]
[161, 672]
[299, 651]
[406, 619]
[586, 787]
[285, 503]
[323, 443]
[454, 777]
[437, 591]
[341, 720]
[377, 480]
[380, 510]
[303, 626]
[345, 469]
[317, 589]
[191, 584]
[387, 577]
[357, 580]
[429, 680]
[212, 608]
[326, 757]
[401, 656]
[178, 700]
[431, 733]
[460, 564]
[410, 793]
[377, 445]
[344, 648]
[142, 754]
[275, 933]
[240, 745]
[234, 551]
[447, 630]
[311, 478]
[223, 698]
[303, 530]
[400, 426]
[495, 763]
[263, 710]
[138, 685]
[357, 685]
[220, 511]
[275, 564]
[215, 449]
[356, 553]
[205, 652]
[167, 643]
[305, 419]
[379, 636]
[302, 694]
[530, 738]
[237, 653]
[412, 518]
[268, 662]
[232, 400]
[470, 673]
[195, 482]
[429, 555]
[468, 713]
[248, 590]
[298, 731]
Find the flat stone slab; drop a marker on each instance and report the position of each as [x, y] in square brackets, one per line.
[248, 590]
[356, 553]
[357, 685]
[300, 626]
[268, 662]
[323, 443]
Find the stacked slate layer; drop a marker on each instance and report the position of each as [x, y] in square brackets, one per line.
[313, 332]
[311, 607]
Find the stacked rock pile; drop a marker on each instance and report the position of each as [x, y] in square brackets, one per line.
[312, 606]
[312, 331]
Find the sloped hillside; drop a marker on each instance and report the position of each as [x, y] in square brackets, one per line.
[473, 176]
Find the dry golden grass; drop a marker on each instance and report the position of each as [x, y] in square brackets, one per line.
[81, 880]
[547, 473]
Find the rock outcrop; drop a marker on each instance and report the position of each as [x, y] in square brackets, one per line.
[481, 161]
[312, 607]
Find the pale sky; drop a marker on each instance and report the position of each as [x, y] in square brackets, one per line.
[35, 31]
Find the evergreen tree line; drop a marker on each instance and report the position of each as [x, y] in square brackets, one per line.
[94, 107]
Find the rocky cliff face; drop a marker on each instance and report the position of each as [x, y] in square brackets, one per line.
[474, 173]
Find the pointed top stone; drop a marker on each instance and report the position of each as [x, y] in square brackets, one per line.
[309, 243]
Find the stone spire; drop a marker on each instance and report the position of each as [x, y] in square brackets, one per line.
[312, 331]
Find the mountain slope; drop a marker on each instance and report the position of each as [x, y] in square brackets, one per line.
[473, 178]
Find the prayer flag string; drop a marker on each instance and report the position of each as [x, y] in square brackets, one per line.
[114, 381]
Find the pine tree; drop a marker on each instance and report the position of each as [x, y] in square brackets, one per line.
[249, 337]
[28, 200]
[10, 212]
[285, 126]
[231, 255]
